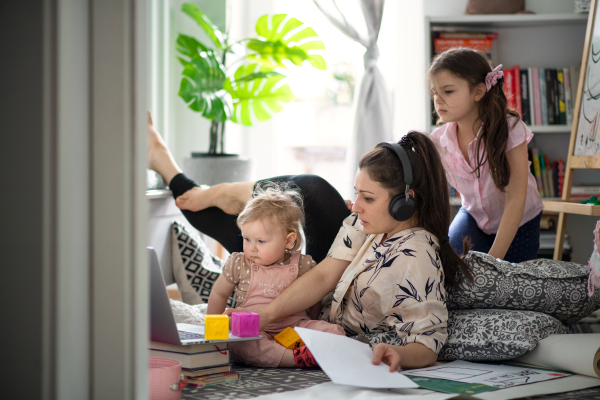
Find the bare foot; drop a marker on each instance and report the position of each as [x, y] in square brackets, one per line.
[229, 197]
[160, 158]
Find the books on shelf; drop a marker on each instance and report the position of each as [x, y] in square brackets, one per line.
[548, 175]
[548, 240]
[542, 96]
[445, 39]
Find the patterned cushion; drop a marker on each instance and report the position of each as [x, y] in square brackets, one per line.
[553, 287]
[195, 269]
[494, 335]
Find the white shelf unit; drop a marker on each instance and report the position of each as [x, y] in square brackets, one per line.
[527, 40]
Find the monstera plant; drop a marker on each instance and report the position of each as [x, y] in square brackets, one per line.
[256, 89]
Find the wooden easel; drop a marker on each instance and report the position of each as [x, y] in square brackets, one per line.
[566, 206]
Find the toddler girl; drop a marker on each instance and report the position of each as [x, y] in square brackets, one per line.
[271, 261]
[484, 148]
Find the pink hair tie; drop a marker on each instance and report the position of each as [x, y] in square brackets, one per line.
[493, 77]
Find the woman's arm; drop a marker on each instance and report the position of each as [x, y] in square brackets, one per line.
[217, 301]
[412, 355]
[303, 293]
[515, 193]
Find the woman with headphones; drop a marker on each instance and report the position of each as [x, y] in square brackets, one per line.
[383, 279]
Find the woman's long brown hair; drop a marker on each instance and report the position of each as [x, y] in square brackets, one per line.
[432, 200]
[473, 66]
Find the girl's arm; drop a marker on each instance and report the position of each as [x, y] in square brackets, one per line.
[217, 301]
[412, 355]
[515, 193]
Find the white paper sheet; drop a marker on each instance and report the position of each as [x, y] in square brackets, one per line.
[349, 362]
[500, 376]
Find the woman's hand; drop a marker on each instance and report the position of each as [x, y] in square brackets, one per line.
[386, 353]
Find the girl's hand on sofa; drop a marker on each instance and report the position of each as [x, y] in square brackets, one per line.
[388, 355]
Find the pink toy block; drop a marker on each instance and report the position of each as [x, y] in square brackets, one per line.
[245, 324]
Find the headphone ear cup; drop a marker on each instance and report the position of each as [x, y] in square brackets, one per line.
[402, 209]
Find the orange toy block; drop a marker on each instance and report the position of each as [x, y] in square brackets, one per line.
[289, 339]
[216, 327]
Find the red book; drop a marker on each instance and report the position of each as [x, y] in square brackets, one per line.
[509, 87]
[517, 90]
[561, 176]
[441, 45]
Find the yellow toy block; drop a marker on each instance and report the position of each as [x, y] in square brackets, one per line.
[289, 339]
[216, 327]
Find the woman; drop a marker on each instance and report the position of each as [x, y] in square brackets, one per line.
[385, 273]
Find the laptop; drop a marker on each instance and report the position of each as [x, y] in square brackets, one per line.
[162, 322]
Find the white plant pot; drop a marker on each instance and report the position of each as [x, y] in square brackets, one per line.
[209, 169]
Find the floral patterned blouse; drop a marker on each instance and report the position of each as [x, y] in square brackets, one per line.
[392, 291]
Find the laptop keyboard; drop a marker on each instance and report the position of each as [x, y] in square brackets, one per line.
[183, 335]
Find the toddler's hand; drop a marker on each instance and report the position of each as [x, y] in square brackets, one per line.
[386, 353]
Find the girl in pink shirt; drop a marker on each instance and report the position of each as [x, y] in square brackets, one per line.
[484, 148]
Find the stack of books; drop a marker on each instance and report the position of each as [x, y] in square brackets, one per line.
[203, 364]
[542, 96]
[445, 40]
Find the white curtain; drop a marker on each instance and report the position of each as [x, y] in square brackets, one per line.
[373, 118]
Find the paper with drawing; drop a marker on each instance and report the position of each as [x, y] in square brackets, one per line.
[500, 376]
[348, 362]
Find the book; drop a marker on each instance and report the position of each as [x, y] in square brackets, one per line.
[190, 348]
[485, 45]
[556, 100]
[550, 192]
[536, 168]
[526, 113]
[574, 71]
[533, 120]
[562, 112]
[536, 95]
[555, 178]
[544, 176]
[585, 189]
[192, 373]
[543, 96]
[561, 175]
[211, 358]
[509, 85]
[213, 379]
[467, 35]
[517, 90]
[569, 104]
[548, 240]
[550, 96]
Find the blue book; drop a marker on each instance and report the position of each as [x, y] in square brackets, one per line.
[543, 96]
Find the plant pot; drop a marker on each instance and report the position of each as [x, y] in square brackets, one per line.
[211, 169]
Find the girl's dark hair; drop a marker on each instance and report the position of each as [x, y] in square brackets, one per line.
[431, 192]
[473, 66]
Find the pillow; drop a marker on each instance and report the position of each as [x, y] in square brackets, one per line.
[495, 335]
[195, 269]
[556, 288]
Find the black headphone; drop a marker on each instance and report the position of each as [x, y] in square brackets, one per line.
[402, 206]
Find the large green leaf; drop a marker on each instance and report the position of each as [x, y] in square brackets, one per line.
[285, 38]
[257, 99]
[205, 23]
[189, 48]
[202, 87]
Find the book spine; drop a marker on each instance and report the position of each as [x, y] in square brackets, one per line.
[585, 190]
[468, 35]
[543, 96]
[517, 90]
[562, 112]
[544, 176]
[569, 108]
[509, 84]
[555, 178]
[525, 97]
[532, 91]
[550, 191]
[556, 96]
[537, 171]
[440, 45]
[550, 96]
[561, 176]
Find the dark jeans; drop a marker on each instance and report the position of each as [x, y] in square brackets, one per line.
[324, 208]
[524, 246]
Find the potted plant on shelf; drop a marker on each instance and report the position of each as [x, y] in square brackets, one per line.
[252, 93]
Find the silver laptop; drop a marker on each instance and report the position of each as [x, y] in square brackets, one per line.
[162, 323]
